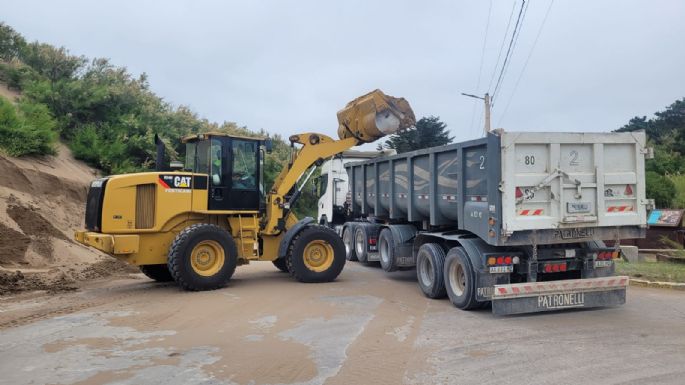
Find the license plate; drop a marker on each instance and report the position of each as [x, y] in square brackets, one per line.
[501, 269]
[603, 263]
[561, 301]
[578, 207]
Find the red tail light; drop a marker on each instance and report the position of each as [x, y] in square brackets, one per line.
[562, 267]
[372, 241]
[500, 260]
[629, 190]
[555, 268]
[507, 260]
[519, 193]
[548, 268]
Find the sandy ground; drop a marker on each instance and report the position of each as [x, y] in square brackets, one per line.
[368, 327]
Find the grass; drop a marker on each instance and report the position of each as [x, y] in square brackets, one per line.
[653, 271]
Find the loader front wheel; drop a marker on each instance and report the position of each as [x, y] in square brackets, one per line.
[202, 257]
[316, 254]
[159, 273]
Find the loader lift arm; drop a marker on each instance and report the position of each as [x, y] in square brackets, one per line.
[363, 120]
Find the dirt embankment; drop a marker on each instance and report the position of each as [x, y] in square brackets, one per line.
[42, 202]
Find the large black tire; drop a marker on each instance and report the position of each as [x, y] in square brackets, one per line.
[460, 280]
[429, 270]
[202, 257]
[281, 264]
[348, 241]
[159, 273]
[386, 250]
[361, 243]
[316, 254]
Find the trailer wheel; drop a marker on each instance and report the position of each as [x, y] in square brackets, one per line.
[316, 254]
[159, 273]
[386, 250]
[281, 264]
[348, 241]
[429, 270]
[460, 280]
[361, 241]
[202, 257]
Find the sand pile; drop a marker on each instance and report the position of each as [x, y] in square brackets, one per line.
[42, 202]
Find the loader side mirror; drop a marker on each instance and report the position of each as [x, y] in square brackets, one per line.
[268, 145]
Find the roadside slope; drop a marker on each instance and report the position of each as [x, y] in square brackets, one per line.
[42, 202]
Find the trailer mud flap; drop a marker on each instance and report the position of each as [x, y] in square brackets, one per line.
[559, 295]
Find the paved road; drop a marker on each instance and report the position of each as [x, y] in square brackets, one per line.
[366, 328]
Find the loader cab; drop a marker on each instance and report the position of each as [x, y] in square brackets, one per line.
[234, 168]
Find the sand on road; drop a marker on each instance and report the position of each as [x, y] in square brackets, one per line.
[368, 327]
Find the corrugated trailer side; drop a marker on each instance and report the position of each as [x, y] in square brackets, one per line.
[435, 186]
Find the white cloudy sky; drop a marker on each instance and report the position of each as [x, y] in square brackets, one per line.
[288, 66]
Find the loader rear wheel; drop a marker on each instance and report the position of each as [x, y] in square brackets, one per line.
[159, 273]
[280, 264]
[348, 241]
[202, 257]
[316, 254]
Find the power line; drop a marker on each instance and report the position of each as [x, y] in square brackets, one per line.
[482, 57]
[525, 65]
[516, 40]
[501, 47]
[509, 50]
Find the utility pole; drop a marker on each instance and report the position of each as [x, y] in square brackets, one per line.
[486, 98]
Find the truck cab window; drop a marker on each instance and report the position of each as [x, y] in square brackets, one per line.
[244, 165]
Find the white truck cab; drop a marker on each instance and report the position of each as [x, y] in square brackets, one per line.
[332, 185]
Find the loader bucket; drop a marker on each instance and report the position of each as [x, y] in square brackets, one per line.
[373, 116]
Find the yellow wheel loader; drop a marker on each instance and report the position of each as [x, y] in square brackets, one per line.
[195, 225]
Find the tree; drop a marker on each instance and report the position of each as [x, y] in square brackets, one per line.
[428, 132]
[661, 189]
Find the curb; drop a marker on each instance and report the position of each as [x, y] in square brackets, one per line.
[657, 284]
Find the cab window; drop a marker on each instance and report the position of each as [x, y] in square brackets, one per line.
[216, 158]
[244, 165]
[202, 157]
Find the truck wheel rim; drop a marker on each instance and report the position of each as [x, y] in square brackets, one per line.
[359, 243]
[346, 242]
[457, 279]
[318, 256]
[384, 251]
[207, 258]
[426, 272]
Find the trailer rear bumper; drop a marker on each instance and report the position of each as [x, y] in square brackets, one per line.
[534, 297]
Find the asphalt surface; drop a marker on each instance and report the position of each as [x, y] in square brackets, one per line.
[368, 327]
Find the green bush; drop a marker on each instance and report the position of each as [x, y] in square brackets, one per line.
[661, 189]
[679, 200]
[27, 129]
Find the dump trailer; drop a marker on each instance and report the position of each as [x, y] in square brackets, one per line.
[515, 219]
[196, 224]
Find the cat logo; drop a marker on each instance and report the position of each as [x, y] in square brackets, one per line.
[176, 183]
[182, 182]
